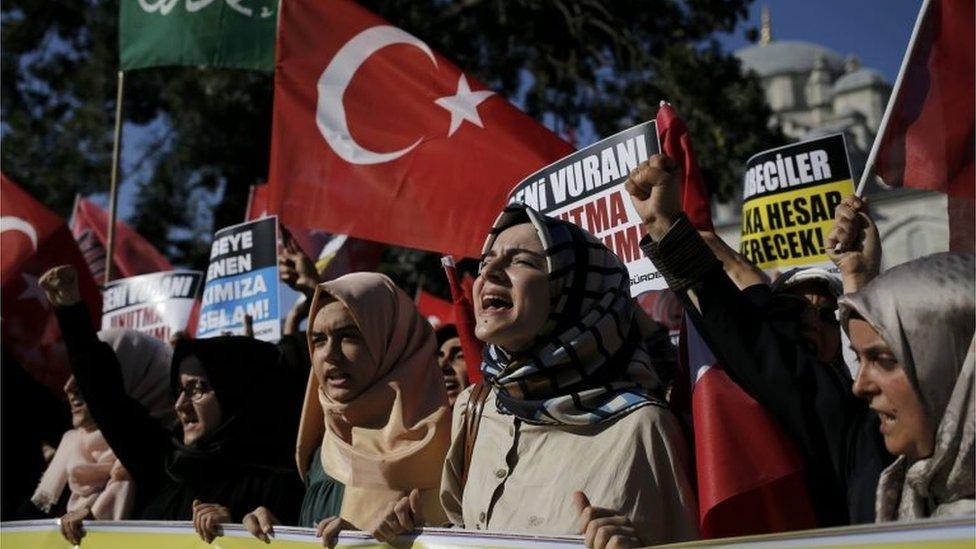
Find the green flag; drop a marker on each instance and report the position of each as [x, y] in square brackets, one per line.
[236, 34]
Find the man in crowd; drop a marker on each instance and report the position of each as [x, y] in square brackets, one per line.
[450, 357]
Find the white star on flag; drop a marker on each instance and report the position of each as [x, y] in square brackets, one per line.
[463, 105]
[33, 290]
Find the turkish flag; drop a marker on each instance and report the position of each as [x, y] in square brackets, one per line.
[750, 476]
[32, 240]
[134, 255]
[378, 137]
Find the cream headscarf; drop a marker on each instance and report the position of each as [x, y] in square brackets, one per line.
[407, 399]
[84, 461]
[924, 310]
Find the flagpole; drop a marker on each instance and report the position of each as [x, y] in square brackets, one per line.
[250, 200]
[873, 155]
[74, 210]
[114, 188]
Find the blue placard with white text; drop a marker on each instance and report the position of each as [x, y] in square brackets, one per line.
[242, 279]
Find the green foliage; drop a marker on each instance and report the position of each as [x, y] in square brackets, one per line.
[598, 63]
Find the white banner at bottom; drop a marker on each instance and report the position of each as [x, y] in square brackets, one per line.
[45, 534]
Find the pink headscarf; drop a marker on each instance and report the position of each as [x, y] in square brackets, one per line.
[84, 462]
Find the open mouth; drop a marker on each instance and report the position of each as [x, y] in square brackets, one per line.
[335, 378]
[495, 303]
[887, 419]
[450, 383]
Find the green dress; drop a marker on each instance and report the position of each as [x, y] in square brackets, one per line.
[323, 494]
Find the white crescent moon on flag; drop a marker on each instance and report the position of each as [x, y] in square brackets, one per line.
[330, 114]
[11, 223]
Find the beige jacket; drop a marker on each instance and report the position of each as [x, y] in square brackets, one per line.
[523, 476]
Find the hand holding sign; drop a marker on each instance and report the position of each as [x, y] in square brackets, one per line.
[854, 244]
[404, 515]
[61, 285]
[655, 190]
[604, 528]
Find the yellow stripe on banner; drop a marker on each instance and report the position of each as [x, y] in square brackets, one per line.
[936, 533]
[790, 228]
[152, 540]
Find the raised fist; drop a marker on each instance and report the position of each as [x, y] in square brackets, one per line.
[61, 285]
[655, 190]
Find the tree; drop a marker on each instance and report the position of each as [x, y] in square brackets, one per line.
[58, 106]
[572, 64]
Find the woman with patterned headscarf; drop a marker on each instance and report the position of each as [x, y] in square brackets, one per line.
[574, 434]
[912, 329]
[376, 423]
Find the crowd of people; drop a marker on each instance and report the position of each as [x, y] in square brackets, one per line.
[367, 421]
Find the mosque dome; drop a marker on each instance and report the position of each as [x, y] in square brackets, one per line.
[788, 56]
[860, 78]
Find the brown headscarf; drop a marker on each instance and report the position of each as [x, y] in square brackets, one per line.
[924, 310]
[393, 437]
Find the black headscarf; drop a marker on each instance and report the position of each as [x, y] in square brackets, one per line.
[259, 406]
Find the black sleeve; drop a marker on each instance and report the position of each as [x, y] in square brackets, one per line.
[761, 352]
[750, 348]
[139, 441]
[281, 491]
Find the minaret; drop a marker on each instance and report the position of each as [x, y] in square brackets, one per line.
[766, 31]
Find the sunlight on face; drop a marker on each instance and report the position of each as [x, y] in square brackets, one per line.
[883, 382]
[511, 294]
[341, 361]
[197, 406]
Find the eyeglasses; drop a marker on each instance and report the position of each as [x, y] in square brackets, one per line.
[195, 390]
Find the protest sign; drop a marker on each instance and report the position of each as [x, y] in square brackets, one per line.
[242, 279]
[789, 196]
[587, 188]
[158, 304]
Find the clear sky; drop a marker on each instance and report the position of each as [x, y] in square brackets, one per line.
[877, 31]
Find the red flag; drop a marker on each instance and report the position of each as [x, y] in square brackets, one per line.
[134, 255]
[257, 202]
[437, 311]
[750, 477]
[34, 239]
[461, 296]
[378, 137]
[676, 143]
[926, 138]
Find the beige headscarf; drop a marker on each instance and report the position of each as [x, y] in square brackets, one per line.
[924, 310]
[407, 400]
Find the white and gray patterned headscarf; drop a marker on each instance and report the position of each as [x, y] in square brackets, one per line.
[587, 364]
[925, 310]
